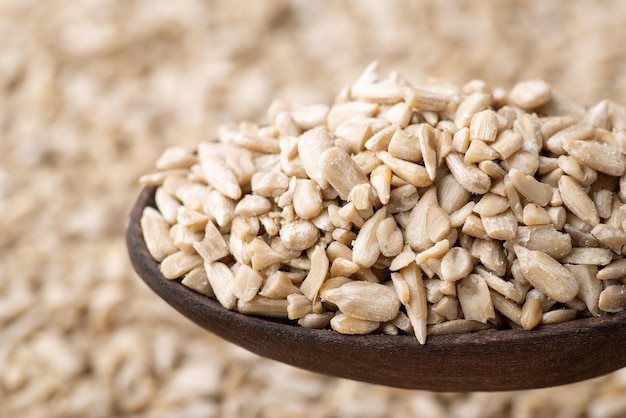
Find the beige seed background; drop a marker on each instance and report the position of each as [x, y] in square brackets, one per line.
[91, 92]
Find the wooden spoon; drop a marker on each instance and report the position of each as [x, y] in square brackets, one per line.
[482, 361]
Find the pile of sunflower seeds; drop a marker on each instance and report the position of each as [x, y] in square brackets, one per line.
[402, 209]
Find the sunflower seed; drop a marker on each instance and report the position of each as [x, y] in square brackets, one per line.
[310, 286]
[221, 279]
[456, 264]
[613, 299]
[577, 201]
[475, 299]
[530, 188]
[340, 171]
[156, 234]
[417, 308]
[532, 310]
[425, 100]
[365, 301]
[412, 173]
[547, 275]
[600, 157]
[530, 94]
[468, 175]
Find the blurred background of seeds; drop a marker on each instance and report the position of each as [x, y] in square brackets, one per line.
[92, 92]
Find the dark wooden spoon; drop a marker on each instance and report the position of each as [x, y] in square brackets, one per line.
[482, 361]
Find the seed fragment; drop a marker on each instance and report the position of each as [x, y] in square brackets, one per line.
[426, 137]
[504, 287]
[399, 114]
[614, 270]
[457, 326]
[316, 320]
[221, 208]
[460, 216]
[473, 227]
[380, 179]
[340, 171]
[591, 256]
[365, 250]
[262, 306]
[471, 105]
[366, 301]
[299, 235]
[535, 215]
[156, 234]
[389, 237]
[532, 310]
[360, 195]
[340, 112]
[405, 146]
[451, 195]
[278, 286]
[475, 299]
[468, 175]
[590, 287]
[600, 157]
[461, 140]
[456, 264]
[491, 254]
[603, 200]
[311, 285]
[380, 140]
[436, 251]
[213, 246]
[406, 257]
[196, 279]
[544, 238]
[530, 188]
[261, 255]
[579, 131]
[311, 145]
[502, 226]
[418, 232]
[307, 199]
[507, 143]
[478, 151]
[425, 100]
[346, 324]
[557, 316]
[530, 94]
[298, 306]
[221, 177]
[412, 173]
[167, 204]
[613, 299]
[310, 116]
[547, 275]
[252, 205]
[612, 237]
[179, 263]
[417, 308]
[577, 201]
[382, 92]
[221, 279]
[343, 267]
[246, 282]
[484, 126]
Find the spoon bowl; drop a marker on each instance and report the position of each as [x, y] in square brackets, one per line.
[492, 360]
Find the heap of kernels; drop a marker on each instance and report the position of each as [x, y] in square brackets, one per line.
[403, 210]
